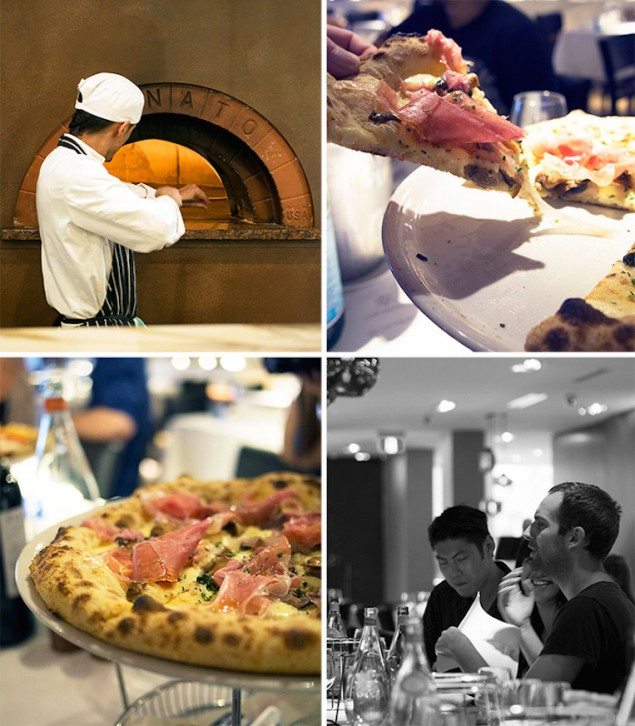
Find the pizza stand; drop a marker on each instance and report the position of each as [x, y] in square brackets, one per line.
[195, 690]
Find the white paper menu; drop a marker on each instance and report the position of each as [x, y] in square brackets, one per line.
[497, 642]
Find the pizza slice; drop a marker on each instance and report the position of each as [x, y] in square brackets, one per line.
[584, 158]
[414, 99]
[603, 321]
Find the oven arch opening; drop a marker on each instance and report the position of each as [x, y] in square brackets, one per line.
[263, 177]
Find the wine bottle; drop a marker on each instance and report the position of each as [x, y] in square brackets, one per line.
[16, 622]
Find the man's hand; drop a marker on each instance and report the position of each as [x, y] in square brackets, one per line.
[455, 644]
[514, 605]
[343, 50]
[171, 192]
[193, 196]
[450, 642]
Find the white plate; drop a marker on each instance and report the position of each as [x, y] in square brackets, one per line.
[488, 277]
[172, 669]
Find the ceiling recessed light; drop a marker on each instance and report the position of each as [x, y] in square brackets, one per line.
[445, 406]
[582, 411]
[391, 443]
[537, 453]
[531, 399]
[362, 456]
[353, 448]
[596, 408]
[530, 364]
[507, 437]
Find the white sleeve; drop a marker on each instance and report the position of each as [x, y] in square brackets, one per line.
[108, 207]
[142, 190]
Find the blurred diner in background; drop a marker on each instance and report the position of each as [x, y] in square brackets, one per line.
[141, 421]
[581, 48]
[484, 497]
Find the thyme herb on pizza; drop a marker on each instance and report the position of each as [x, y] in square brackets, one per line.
[219, 574]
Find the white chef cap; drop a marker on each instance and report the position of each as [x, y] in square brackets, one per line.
[110, 96]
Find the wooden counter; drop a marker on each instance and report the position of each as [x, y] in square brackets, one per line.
[164, 339]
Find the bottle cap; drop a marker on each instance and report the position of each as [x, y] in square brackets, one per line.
[55, 404]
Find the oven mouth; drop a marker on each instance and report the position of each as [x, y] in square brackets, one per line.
[260, 178]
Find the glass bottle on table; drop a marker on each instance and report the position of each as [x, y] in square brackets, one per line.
[398, 643]
[64, 483]
[368, 685]
[413, 700]
[335, 627]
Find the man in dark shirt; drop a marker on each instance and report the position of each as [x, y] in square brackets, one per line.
[509, 52]
[464, 549]
[573, 530]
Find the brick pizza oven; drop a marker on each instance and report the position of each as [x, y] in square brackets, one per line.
[254, 255]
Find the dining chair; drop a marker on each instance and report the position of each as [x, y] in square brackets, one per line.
[618, 56]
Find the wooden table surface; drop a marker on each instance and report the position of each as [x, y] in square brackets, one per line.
[299, 337]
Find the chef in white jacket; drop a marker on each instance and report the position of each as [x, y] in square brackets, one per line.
[90, 221]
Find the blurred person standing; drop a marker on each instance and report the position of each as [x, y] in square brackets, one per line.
[508, 50]
[302, 448]
[118, 411]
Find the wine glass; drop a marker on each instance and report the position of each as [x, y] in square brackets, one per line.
[534, 106]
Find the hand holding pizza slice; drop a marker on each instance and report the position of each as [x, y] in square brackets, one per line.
[414, 99]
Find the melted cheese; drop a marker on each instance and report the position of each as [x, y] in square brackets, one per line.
[418, 81]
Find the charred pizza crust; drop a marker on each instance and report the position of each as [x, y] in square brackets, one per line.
[353, 120]
[71, 577]
[603, 321]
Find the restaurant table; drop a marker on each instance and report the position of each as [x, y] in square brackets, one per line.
[43, 687]
[208, 447]
[297, 337]
[380, 319]
[577, 52]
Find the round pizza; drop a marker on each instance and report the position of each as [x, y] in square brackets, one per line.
[221, 574]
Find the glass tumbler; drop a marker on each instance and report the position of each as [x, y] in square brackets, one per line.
[534, 106]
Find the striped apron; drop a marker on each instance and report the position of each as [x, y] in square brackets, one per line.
[120, 305]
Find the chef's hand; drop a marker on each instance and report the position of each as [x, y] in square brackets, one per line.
[171, 192]
[343, 49]
[193, 196]
[514, 605]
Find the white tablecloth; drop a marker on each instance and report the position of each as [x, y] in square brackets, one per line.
[577, 52]
[207, 447]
